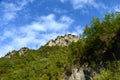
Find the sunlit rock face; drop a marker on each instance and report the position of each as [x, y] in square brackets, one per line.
[20, 52]
[10, 54]
[77, 74]
[63, 40]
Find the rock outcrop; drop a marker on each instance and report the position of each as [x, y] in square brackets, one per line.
[84, 72]
[20, 52]
[63, 40]
[77, 74]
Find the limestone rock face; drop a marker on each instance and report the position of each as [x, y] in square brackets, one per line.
[10, 54]
[51, 43]
[63, 40]
[77, 74]
[20, 52]
[81, 73]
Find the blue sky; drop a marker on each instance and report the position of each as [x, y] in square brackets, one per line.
[31, 23]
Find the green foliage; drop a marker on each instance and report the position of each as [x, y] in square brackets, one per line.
[109, 74]
[100, 39]
[46, 63]
[100, 34]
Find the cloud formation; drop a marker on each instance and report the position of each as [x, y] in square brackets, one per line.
[116, 8]
[30, 22]
[10, 9]
[79, 4]
[35, 34]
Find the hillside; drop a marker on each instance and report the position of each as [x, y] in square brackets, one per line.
[92, 56]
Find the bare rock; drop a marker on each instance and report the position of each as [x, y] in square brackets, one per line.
[63, 40]
[20, 52]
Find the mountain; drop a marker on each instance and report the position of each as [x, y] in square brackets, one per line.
[65, 40]
[95, 56]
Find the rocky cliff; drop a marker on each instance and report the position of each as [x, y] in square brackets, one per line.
[63, 40]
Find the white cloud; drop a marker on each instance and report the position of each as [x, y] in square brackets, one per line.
[5, 49]
[51, 24]
[60, 11]
[79, 4]
[11, 9]
[9, 16]
[117, 8]
[66, 19]
[113, 9]
[35, 34]
[56, 10]
[62, 1]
